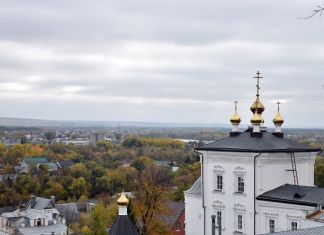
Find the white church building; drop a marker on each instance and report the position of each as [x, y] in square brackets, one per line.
[254, 181]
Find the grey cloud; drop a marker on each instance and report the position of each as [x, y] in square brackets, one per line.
[187, 60]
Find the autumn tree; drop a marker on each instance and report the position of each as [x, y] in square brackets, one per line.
[149, 203]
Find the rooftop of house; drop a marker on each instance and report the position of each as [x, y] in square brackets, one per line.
[51, 165]
[175, 210]
[39, 203]
[56, 228]
[65, 163]
[69, 211]
[266, 142]
[308, 231]
[35, 160]
[295, 194]
[195, 188]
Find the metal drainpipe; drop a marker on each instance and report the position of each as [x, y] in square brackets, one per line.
[254, 220]
[202, 187]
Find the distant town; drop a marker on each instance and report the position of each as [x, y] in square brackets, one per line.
[68, 179]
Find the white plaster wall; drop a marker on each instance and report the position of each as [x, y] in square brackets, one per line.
[270, 173]
[283, 214]
[228, 197]
[272, 170]
[194, 215]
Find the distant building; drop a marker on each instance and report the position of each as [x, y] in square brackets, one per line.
[27, 162]
[37, 161]
[96, 137]
[8, 177]
[64, 164]
[39, 217]
[76, 142]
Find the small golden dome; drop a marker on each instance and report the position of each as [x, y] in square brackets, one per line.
[123, 200]
[278, 119]
[235, 119]
[256, 118]
[257, 106]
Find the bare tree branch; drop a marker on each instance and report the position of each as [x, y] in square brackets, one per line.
[318, 11]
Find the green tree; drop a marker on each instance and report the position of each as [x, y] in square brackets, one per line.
[104, 145]
[27, 185]
[79, 188]
[319, 175]
[103, 184]
[80, 170]
[98, 221]
[50, 136]
[141, 163]
[132, 142]
[55, 188]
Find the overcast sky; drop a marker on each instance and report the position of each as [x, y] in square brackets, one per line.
[180, 61]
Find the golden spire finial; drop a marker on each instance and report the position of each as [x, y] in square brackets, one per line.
[278, 120]
[123, 200]
[257, 106]
[235, 119]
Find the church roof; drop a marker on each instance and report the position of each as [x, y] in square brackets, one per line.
[122, 226]
[295, 194]
[195, 188]
[308, 231]
[267, 142]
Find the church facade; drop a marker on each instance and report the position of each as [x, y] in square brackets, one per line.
[238, 171]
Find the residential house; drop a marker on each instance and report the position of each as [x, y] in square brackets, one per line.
[29, 161]
[175, 219]
[64, 164]
[40, 216]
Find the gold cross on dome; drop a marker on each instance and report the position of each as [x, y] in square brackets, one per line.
[235, 102]
[258, 82]
[278, 103]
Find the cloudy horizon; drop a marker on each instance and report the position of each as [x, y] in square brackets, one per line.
[161, 61]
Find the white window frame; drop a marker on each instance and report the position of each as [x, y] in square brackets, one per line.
[292, 225]
[239, 172]
[178, 226]
[219, 207]
[219, 183]
[239, 210]
[240, 184]
[218, 172]
[270, 225]
[294, 218]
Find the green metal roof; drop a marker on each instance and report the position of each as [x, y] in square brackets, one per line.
[35, 160]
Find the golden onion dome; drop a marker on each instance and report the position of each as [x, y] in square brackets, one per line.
[278, 119]
[256, 118]
[123, 200]
[235, 119]
[257, 106]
